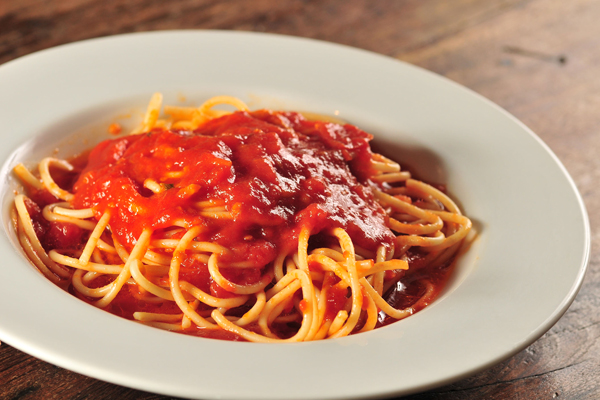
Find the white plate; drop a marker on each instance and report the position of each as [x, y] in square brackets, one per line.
[518, 278]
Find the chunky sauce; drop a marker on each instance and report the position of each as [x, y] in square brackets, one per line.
[274, 180]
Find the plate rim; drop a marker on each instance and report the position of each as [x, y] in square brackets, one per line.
[550, 320]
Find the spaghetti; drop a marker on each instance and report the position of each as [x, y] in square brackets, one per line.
[260, 226]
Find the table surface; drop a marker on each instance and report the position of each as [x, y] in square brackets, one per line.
[538, 59]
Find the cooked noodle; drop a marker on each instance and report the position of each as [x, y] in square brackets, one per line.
[294, 291]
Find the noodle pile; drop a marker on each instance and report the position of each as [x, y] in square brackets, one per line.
[294, 291]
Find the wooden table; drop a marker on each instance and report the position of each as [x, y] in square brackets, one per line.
[539, 59]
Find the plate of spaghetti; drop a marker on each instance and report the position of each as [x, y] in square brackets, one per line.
[267, 210]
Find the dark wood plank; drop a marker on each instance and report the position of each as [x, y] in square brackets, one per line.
[386, 27]
[539, 59]
[25, 377]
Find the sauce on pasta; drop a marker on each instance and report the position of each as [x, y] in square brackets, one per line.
[261, 226]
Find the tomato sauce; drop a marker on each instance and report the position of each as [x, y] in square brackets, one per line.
[274, 172]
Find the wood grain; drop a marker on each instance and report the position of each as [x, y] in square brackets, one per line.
[539, 59]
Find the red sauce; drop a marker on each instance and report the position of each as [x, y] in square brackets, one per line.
[410, 287]
[56, 234]
[275, 172]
